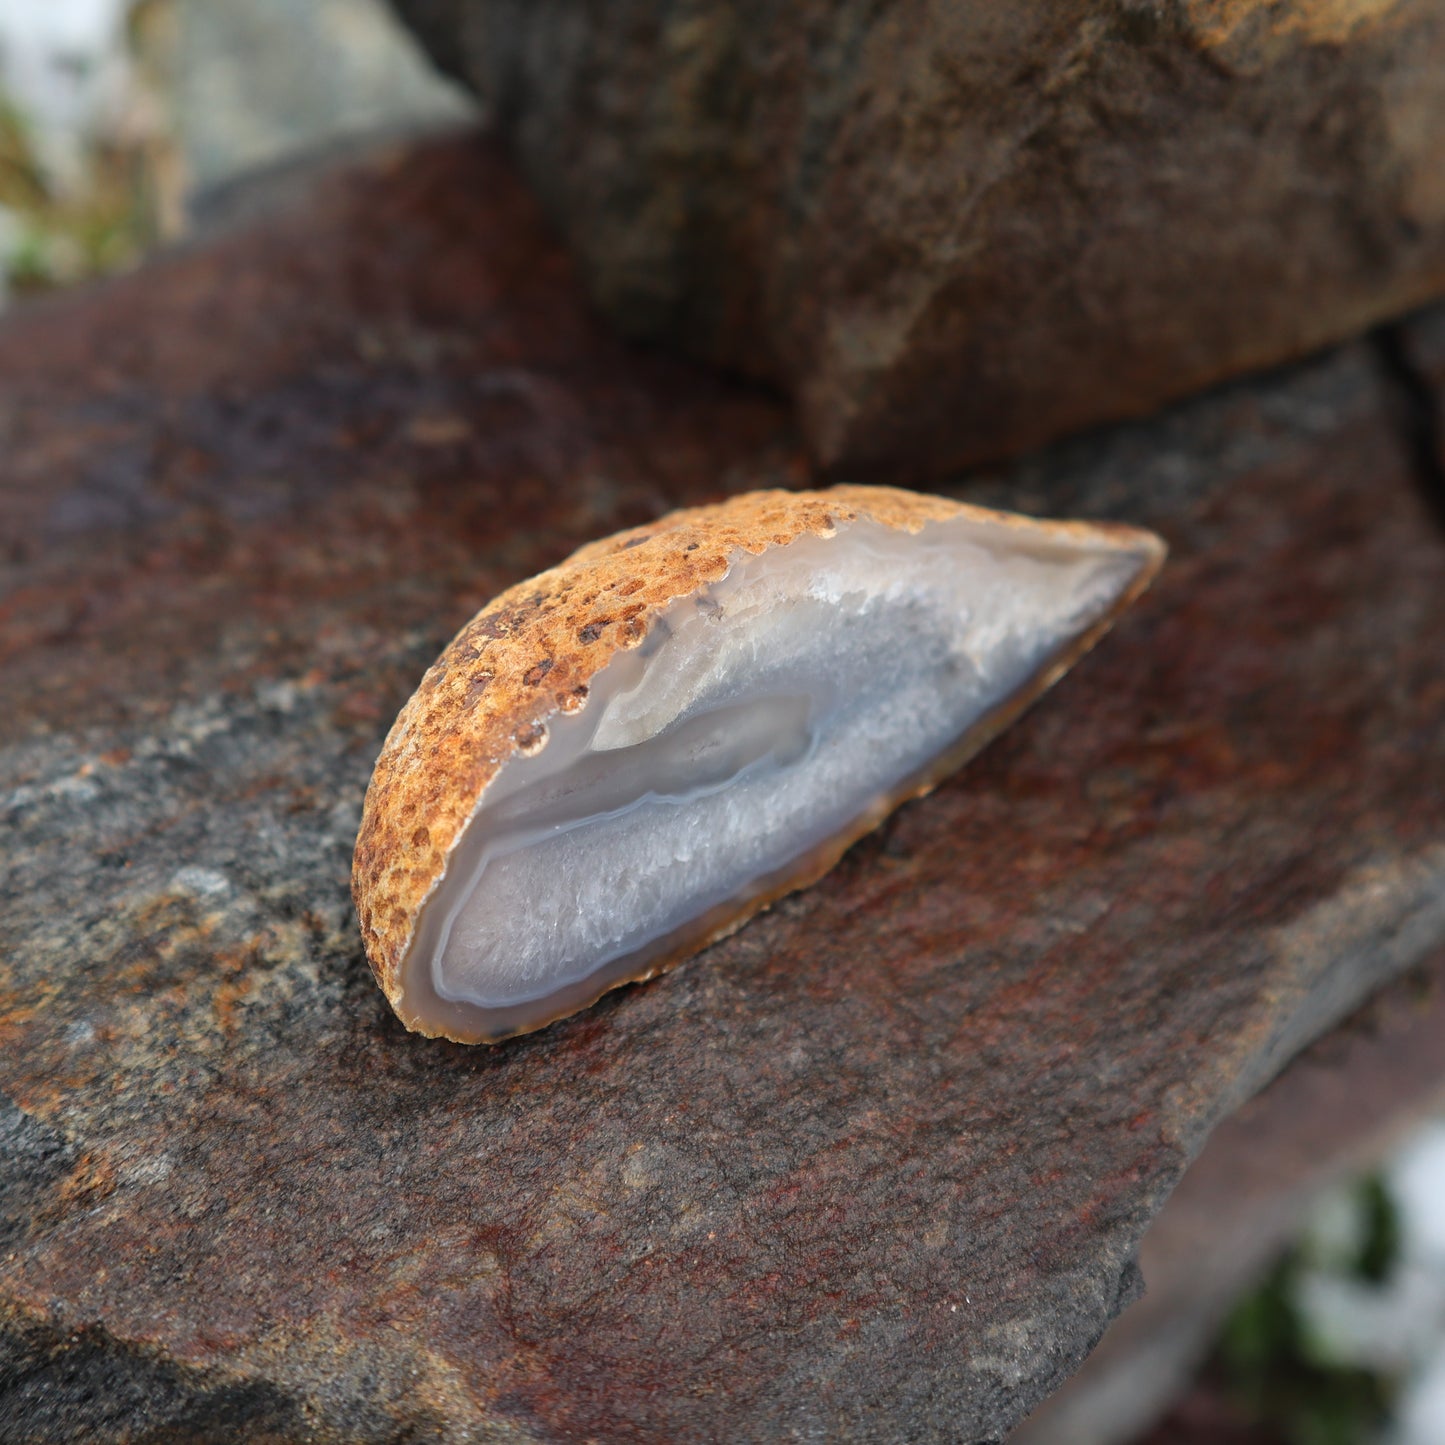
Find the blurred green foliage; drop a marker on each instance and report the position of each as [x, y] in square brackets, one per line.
[59, 236]
[1274, 1365]
[54, 231]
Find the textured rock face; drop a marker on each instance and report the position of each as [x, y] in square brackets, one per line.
[953, 231]
[878, 1166]
[1333, 1114]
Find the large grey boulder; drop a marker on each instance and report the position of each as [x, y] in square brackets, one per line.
[953, 231]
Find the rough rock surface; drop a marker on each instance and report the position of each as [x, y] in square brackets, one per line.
[1334, 1113]
[954, 231]
[877, 1166]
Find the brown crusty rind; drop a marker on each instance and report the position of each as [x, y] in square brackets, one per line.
[532, 653]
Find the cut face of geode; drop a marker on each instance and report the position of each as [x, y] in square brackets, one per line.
[765, 719]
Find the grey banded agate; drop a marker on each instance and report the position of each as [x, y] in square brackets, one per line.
[787, 707]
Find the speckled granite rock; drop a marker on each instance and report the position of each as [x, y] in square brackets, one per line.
[954, 231]
[875, 1167]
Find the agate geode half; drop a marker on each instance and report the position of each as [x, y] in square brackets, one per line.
[622, 759]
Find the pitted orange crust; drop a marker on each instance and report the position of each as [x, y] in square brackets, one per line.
[532, 653]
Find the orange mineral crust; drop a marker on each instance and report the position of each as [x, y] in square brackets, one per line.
[624, 758]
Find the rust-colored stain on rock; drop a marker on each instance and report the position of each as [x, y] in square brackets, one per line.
[1219, 23]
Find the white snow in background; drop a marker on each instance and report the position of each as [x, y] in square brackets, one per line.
[1421, 1419]
[1396, 1327]
[1416, 1179]
[63, 66]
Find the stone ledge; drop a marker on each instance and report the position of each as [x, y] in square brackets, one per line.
[879, 1164]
